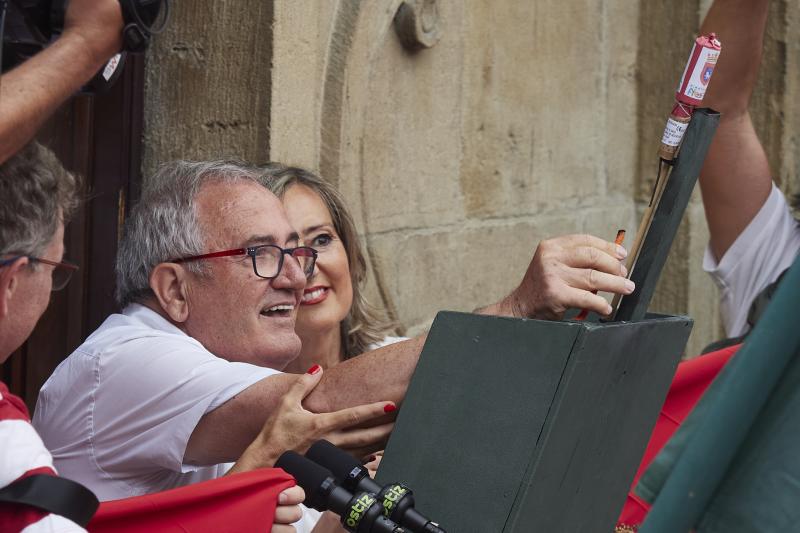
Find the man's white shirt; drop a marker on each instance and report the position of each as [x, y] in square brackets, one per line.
[117, 414]
[767, 247]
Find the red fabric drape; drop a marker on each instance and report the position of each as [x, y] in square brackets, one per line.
[690, 382]
[237, 503]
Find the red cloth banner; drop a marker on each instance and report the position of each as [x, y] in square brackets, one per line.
[237, 503]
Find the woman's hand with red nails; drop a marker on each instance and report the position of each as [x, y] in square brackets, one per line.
[373, 463]
[292, 427]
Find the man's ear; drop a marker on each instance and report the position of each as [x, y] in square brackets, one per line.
[169, 283]
[9, 283]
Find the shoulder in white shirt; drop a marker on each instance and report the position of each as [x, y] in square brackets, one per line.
[22, 454]
[766, 247]
[118, 412]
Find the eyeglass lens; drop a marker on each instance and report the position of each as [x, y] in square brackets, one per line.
[268, 260]
[61, 277]
[60, 274]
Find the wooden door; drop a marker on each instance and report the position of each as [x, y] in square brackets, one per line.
[99, 138]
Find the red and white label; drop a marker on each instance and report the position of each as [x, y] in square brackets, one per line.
[673, 132]
[698, 71]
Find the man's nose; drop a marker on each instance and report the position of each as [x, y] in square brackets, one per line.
[291, 275]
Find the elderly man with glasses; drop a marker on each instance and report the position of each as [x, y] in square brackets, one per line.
[210, 277]
[37, 197]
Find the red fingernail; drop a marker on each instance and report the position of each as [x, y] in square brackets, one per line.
[388, 408]
[314, 369]
[370, 458]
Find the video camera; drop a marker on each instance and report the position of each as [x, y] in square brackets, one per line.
[28, 26]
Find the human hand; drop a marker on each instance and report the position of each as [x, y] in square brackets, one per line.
[292, 427]
[98, 23]
[288, 510]
[563, 273]
[363, 441]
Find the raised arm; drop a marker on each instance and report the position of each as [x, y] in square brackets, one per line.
[565, 272]
[31, 92]
[562, 274]
[735, 180]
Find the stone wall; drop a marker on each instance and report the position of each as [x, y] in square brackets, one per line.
[524, 120]
[207, 90]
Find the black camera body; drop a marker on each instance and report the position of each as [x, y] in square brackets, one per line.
[28, 26]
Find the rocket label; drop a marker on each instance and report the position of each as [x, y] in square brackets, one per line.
[690, 92]
[698, 72]
[673, 133]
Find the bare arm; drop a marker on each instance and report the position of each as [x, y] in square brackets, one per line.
[292, 427]
[30, 93]
[382, 375]
[735, 180]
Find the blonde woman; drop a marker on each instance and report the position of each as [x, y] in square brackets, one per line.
[335, 321]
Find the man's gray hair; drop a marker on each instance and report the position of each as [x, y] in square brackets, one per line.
[164, 224]
[36, 192]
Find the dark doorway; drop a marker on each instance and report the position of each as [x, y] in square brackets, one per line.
[99, 138]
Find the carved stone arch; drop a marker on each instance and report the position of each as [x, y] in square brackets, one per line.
[338, 52]
[348, 19]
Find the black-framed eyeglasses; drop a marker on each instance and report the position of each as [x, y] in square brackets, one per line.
[267, 258]
[62, 270]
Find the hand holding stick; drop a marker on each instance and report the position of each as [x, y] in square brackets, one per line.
[618, 241]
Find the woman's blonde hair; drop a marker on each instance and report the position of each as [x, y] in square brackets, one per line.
[365, 324]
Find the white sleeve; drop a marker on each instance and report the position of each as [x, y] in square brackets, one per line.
[148, 421]
[766, 247]
[22, 451]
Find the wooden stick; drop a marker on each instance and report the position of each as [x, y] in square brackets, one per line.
[644, 226]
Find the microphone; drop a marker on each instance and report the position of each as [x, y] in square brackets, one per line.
[396, 499]
[346, 469]
[360, 513]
